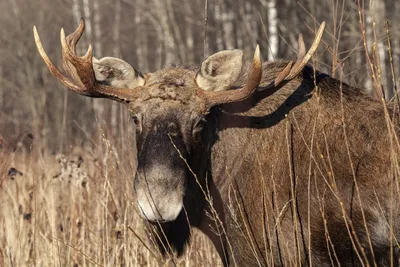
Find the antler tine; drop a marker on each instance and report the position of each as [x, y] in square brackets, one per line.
[74, 37]
[80, 70]
[70, 55]
[283, 74]
[293, 69]
[53, 69]
[302, 48]
[301, 62]
[286, 71]
[71, 41]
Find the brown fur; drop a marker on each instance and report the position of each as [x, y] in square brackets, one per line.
[263, 153]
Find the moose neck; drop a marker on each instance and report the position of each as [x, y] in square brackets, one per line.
[260, 147]
[241, 131]
[240, 123]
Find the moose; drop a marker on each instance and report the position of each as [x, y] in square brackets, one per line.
[276, 162]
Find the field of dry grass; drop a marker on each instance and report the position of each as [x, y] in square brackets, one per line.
[78, 209]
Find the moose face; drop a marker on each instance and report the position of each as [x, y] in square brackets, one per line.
[169, 115]
[168, 135]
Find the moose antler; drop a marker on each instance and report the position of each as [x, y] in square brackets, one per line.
[213, 98]
[80, 69]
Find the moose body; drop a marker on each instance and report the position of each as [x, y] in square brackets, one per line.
[288, 165]
[282, 167]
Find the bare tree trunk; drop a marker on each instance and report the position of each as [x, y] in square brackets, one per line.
[176, 33]
[206, 49]
[379, 11]
[219, 26]
[369, 34]
[88, 24]
[253, 20]
[116, 52]
[272, 30]
[157, 44]
[169, 42]
[97, 29]
[189, 35]
[76, 12]
[116, 31]
[141, 38]
[227, 25]
[249, 36]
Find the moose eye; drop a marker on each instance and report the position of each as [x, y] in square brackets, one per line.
[137, 123]
[135, 120]
[198, 126]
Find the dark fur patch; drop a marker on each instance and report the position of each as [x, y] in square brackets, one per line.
[171, 237]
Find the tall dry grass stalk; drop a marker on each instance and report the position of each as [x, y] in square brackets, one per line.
[78, 209]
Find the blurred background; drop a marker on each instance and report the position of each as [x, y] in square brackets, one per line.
[150, 34]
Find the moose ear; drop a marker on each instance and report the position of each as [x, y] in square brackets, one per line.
[220, 71]
[117, 72]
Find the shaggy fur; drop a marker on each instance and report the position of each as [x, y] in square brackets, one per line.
[288, 169]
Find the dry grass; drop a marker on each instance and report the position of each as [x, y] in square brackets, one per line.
[78, 210]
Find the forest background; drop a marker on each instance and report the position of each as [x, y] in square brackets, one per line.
[152, 34]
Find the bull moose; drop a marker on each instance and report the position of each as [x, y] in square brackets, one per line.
[287, 165]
